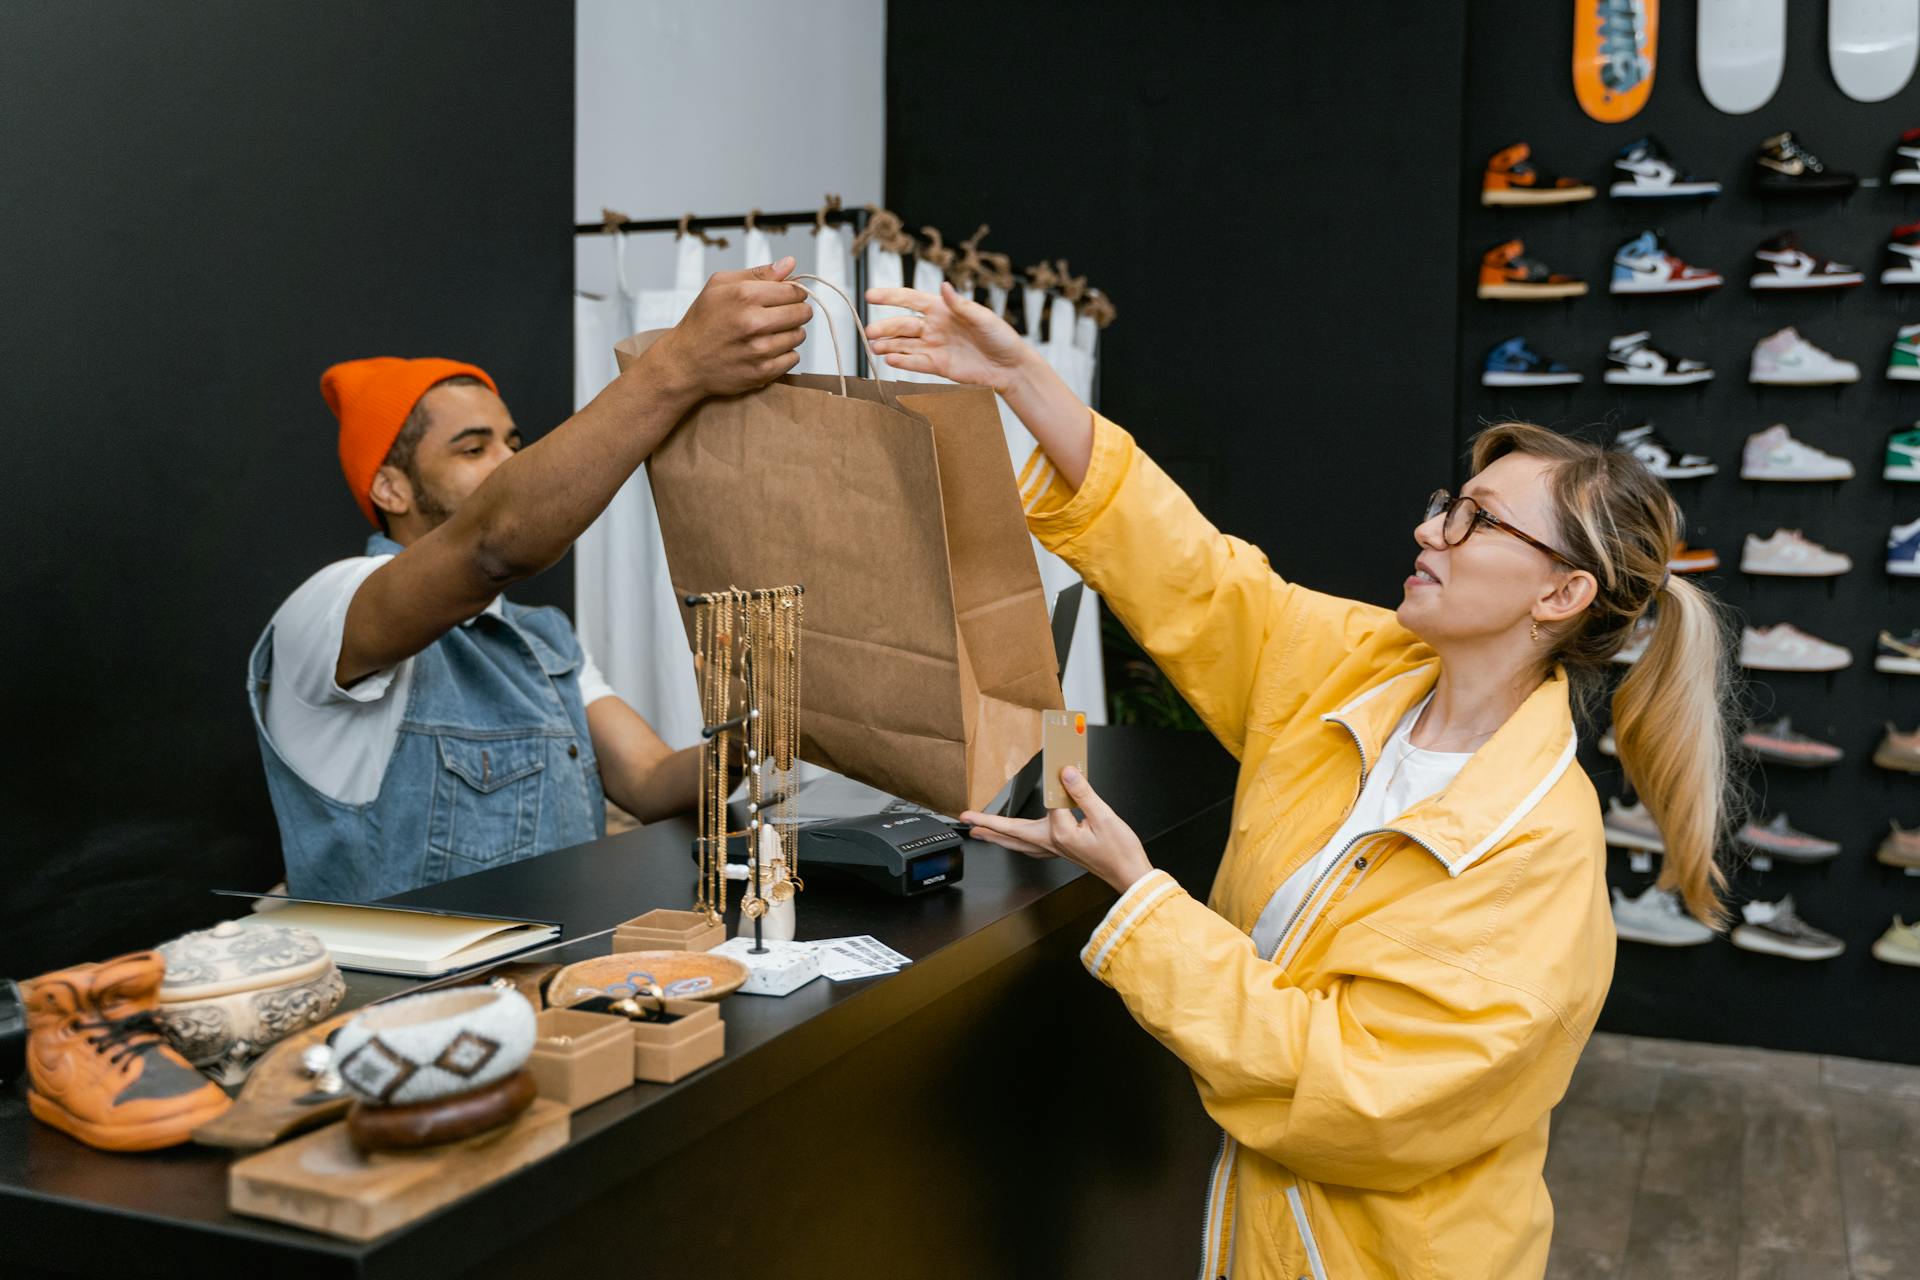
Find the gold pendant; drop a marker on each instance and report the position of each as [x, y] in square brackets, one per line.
[754, 907]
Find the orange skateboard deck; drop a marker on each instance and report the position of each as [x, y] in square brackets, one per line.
[1614, 42]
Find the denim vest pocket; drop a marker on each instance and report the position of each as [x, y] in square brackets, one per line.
[486, 800]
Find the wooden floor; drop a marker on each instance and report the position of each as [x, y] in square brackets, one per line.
[1700, 1161]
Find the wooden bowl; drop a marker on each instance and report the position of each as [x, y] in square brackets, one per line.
[682, 975]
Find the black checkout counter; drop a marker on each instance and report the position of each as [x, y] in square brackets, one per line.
[988, 1111]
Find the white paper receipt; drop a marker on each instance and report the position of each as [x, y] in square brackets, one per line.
[843, 959]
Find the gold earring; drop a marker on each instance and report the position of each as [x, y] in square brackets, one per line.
[1534, 633]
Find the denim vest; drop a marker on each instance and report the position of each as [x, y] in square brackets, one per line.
[493, 764]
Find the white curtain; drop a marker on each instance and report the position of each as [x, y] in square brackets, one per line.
[624, 607]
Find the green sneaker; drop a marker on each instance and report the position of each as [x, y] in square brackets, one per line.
[1900, 944]
[1903, 454]
[1904, 363]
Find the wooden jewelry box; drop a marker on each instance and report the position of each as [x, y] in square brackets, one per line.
[664, 1052]
[579, 1058]
[664, 930]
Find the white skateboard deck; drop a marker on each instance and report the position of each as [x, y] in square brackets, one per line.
[1741, 52]
[1871, 46]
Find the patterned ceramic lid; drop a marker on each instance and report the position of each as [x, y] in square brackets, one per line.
[233, 957]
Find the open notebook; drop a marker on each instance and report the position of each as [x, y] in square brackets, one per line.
[409, 941]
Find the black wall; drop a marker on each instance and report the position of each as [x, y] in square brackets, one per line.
[1268, 192]
[1852, 1005]
[1284, 204]
[202, 207]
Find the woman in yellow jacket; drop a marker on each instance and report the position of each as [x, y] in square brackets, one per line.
[1408, 940]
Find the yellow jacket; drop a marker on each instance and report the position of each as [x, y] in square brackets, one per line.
[1383, 1081]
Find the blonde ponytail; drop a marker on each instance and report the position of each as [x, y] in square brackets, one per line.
[1671, 712]
[1670, 724]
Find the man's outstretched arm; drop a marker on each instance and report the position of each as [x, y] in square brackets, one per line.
[741, 333]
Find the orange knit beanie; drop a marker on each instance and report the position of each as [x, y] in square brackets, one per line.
[372, 399]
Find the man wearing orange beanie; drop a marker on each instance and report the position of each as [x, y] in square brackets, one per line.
[416, 726]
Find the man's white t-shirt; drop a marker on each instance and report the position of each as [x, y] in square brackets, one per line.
[1402, 777]
[339, 740]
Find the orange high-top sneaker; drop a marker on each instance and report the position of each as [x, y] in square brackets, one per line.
[1511, 178]
[99, 1067]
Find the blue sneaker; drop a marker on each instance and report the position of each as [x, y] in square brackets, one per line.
[1515, 364]
[1903, 550]
[1643, 265]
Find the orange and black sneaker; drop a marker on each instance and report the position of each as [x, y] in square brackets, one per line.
[1686, 559]
[98, 1065]
[1506, 272]
[1511, 179]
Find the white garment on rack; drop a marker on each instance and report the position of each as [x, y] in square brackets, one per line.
[831, 263]
[662, 308]
[927, 279]
[624, 607]
[1069, 360]
[759, 248]
[884, 271]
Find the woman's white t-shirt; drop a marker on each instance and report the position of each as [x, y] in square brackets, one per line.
[1402, 777]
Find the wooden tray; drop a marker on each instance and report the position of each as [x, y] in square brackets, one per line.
[683, 975]
[324, 1183]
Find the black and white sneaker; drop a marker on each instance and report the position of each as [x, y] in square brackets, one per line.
[1785, 265]
[1636, 362]
[1903, 250]
[1783, 167]
[1647, 174]
[1661, 456]
[1773, 928]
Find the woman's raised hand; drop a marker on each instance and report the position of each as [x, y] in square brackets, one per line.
[952, 336]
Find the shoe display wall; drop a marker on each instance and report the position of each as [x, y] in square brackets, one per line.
[1797, 465]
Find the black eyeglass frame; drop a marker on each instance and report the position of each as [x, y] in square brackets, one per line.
[1443, 503]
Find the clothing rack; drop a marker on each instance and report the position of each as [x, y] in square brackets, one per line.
[856, 219]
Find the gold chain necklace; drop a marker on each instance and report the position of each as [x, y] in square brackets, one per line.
[759, 632]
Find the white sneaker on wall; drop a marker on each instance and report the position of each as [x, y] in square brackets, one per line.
[1785, 359]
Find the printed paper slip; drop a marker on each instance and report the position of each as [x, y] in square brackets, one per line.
[843, 959]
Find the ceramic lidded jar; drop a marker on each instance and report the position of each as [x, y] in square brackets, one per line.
[232, 990]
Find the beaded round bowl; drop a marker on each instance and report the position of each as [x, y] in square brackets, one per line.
[434, 1045]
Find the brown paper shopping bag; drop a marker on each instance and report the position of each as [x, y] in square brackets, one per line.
[927, 656]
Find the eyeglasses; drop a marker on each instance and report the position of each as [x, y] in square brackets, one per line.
[1464, 515]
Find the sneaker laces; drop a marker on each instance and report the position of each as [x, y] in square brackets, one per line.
[122, 1038]
[1788, 147]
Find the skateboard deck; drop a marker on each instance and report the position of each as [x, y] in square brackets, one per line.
[1614, 42]
[1871, 46]
[1741, 52]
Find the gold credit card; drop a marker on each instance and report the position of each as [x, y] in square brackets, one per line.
[1063, 742]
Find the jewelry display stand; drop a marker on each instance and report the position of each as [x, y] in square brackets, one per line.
[777, 925]
[759, 632]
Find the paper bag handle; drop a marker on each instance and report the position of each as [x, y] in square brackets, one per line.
[833, 335]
